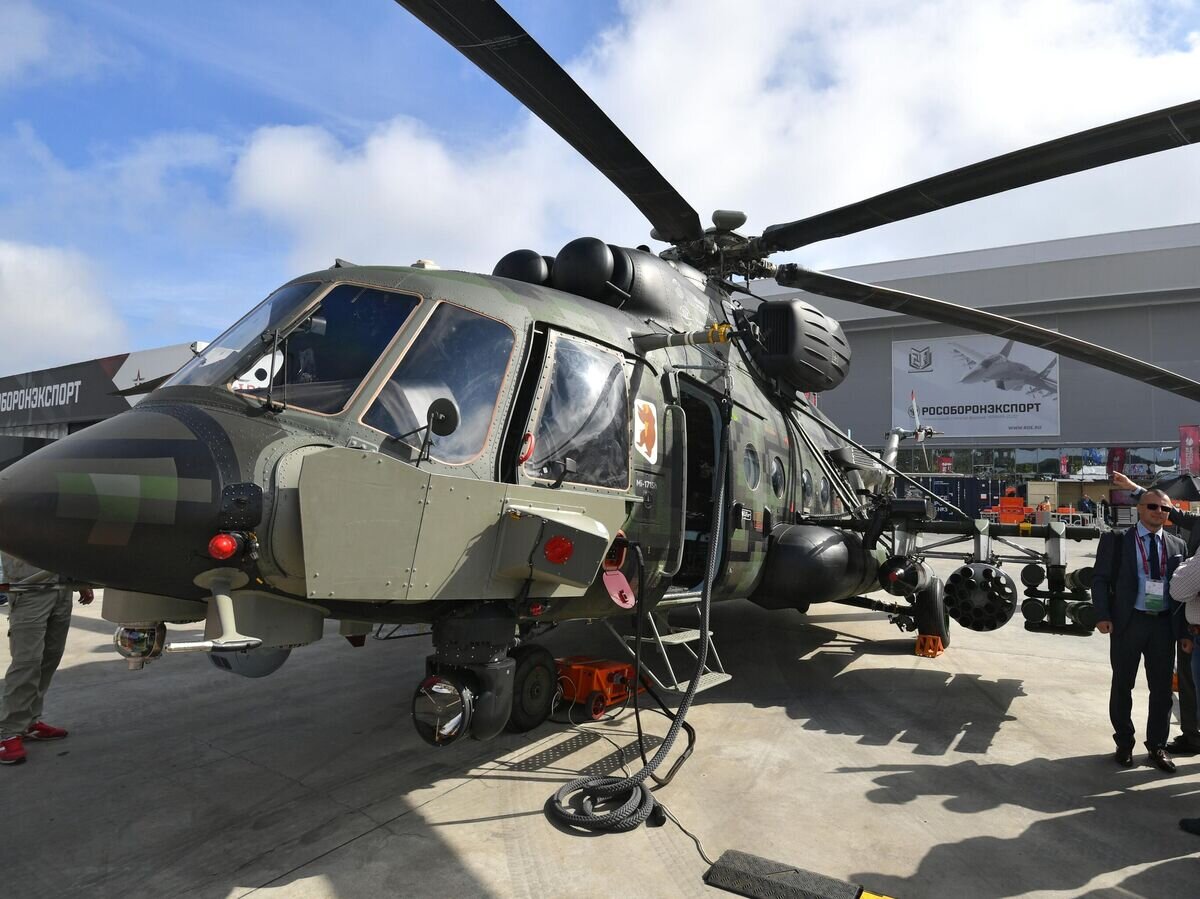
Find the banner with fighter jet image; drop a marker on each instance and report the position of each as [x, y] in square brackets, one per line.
[975, 386]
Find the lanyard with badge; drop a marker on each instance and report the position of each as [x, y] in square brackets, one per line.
[1156, 594]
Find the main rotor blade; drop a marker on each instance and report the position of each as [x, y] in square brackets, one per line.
[1127, 139]
[490, 38]
[986, 322]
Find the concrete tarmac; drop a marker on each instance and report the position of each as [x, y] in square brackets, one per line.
[986, 772]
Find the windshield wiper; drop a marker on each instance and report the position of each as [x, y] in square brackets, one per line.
[268, 402]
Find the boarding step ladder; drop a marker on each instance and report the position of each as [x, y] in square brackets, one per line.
[664, 635]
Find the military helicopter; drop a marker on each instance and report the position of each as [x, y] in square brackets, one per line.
[491, 454]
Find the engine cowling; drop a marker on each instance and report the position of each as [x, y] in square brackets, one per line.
[622, 277]
[801, 345]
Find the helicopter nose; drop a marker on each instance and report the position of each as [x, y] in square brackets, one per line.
[130, 502]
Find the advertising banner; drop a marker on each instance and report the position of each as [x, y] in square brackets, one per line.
[85, 391]
[1189, 449]
[975, 386]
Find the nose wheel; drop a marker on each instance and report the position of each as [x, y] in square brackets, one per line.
[535, 684]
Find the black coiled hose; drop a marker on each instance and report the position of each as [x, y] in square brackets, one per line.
[633, 800]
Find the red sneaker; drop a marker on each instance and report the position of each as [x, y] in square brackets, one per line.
[12, 751]
[39, 730]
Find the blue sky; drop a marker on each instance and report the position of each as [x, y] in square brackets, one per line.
[165, 164]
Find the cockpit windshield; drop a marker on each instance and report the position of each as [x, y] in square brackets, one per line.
[316, 363]
[461, 356]
[236, 351]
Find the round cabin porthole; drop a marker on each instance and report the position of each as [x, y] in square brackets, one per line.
[778, 476]
[753, 468]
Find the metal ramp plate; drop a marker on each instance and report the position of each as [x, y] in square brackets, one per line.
[761, 878]
[708, 680]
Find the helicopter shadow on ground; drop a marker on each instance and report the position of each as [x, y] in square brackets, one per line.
[1182, 873]
[1103, 819]
[780, 659]
[183, 780]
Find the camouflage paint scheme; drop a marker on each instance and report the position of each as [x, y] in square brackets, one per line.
[351, 524]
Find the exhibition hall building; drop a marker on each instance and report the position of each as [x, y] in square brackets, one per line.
[1018, 412]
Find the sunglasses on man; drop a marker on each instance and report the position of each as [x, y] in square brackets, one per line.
[1155, 507]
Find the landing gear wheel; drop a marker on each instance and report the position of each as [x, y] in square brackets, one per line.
[596, 703]
[929, 612]
[534, 684]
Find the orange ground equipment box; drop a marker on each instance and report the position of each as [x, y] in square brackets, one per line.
[1012, 510]
[594, 684]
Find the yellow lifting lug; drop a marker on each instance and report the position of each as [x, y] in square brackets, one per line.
[719, 332]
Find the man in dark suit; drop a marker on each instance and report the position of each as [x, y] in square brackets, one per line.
[1188, 742]
[1185, 588]
[1133, 606]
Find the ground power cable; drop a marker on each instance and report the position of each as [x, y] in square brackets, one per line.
[636, 802]
[640, 678]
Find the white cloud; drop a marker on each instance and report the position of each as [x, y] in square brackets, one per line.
[24, 38]
[155, 213]
[35, 43]
[150, 183]
[52, 310]
[782, 110]
[400, 196]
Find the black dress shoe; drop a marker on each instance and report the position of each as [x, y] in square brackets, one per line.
[1162, 761]
[1182, 745]
[1191, 825]
[1124, 757]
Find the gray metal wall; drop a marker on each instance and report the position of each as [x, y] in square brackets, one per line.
[1138, 293]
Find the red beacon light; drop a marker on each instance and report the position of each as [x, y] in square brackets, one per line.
[224, 546]
[558, 550]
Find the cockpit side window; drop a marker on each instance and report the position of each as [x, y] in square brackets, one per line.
[320, 361]
[584, 416]
[461, 355]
